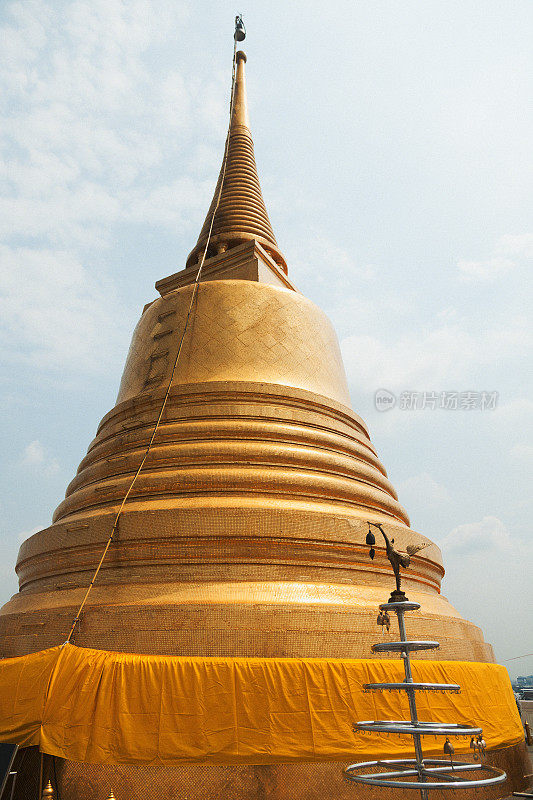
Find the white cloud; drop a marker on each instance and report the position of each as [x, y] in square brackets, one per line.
[33, 453]
[344, 285]
[55, 315]
[488, 577]
[442, 357]
[510, 252]
[90, 141]
[448, 314]
[490, 533]
[35, 457]
[323, 260]
[23, 535]
[422, 492]
[86, 131]
[488, 270]
[520, 245]
[170, 204]
[516, 414]
[522, 452]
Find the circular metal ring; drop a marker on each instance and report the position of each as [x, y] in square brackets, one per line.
[398, 647]
[408, 769]
[405, 605]
[417, 687]
[412, 728]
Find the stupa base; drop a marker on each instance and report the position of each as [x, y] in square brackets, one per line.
[273, 782]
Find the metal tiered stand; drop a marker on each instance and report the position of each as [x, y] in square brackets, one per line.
[418, 773]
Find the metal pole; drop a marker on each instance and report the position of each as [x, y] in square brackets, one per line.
[417, 739]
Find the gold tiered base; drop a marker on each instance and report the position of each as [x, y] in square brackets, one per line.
[244, 536]
[244, 533]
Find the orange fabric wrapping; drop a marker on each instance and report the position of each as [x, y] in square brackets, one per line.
[116, 708]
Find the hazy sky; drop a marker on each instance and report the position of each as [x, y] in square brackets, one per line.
[393, 141]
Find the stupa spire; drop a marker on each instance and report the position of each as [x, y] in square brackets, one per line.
[241, 214]
[240, 115]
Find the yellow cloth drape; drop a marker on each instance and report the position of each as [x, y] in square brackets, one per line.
[117, 708]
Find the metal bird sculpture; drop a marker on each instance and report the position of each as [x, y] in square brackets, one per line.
[396, 558]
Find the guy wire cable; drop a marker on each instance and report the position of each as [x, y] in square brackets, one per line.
[194, 294]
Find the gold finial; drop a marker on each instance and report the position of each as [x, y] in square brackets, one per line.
[238, 206]
[48, 791]
[111, 796]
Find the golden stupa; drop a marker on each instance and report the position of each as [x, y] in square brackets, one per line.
[244, 533]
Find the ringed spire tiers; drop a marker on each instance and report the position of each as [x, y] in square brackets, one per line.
[241, 214]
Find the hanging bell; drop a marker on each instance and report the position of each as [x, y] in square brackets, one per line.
[372, 553]
[370, 538]
[448, 747]
[240, 30]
